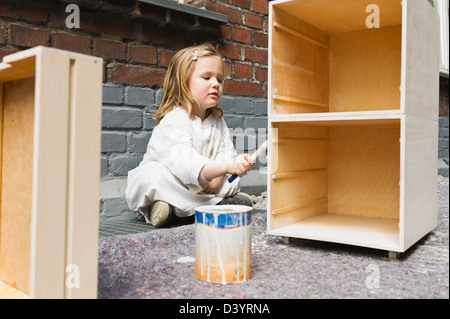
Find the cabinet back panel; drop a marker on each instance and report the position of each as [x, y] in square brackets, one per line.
[364, 171]
[365, 70]
[299, 67]
[16, 182]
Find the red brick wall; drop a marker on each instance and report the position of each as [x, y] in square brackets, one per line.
[136, 41]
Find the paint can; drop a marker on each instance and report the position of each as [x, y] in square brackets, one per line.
[223, 243]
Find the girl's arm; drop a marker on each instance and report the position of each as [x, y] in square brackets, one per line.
[240, 166]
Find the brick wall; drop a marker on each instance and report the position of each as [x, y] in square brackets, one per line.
[136, 41]
[128, 123]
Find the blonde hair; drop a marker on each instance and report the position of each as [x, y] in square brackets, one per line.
[176, 82]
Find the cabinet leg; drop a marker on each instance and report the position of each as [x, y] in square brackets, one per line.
[287, 240]
[394, 255]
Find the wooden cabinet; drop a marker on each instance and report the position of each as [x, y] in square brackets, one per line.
[50, 111]
[353, 121]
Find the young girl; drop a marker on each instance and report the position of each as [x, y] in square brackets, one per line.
[190, 152]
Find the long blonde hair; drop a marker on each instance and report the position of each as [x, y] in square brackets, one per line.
[176, 82]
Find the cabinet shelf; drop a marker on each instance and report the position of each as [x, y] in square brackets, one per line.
[299, 35]
[379, 233]
[340, 118]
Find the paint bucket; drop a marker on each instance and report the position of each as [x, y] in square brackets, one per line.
[223, 243]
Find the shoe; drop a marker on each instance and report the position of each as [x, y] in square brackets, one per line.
[238, 199]
[160, 213]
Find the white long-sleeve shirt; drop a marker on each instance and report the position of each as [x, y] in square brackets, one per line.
[185, 145]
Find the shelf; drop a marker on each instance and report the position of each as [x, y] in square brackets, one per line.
[298, 101]
[380, 233]
[297, 174]
[340, 118]
[299, 35]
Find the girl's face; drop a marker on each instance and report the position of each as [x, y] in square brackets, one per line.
[205, 84]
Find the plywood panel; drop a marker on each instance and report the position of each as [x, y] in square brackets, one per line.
[420, 58]
[17, 176]
[334, 16]
[304, 188]
[84, 174]
[8, 292]
[376, 233]
[47, 278]
[300, 155]
[419, 196]
[365, 70]
[306, 87]
[50, 128]
[364, 171]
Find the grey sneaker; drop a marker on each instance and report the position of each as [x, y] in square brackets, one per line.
[238, 199]
[160, 213]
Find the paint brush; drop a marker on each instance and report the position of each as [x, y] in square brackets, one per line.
[253, 158]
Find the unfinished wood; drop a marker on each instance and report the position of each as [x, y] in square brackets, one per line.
[299, 101]
[293, 174]
[307, 187]
[340, 118]
[295, 215]
[299, 35]
[17, 177]
[50, 176]
[364, 171]
[51, 130]
[305, 155]
[376, 233]
[84, 174]
[296, 130]
[296, 140]
[8, 292]
[306, 62]
[1, 151]
[420, 60]
[298, 198]
[419, 174]
[19, 69]
[334, 16]
[298, 206]
[365, 70]
[362, 112]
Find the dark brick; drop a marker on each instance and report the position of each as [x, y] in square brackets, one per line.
[143, 54]
[243, 71]
[137, 75]
[28, 37]
[242, 35]
[242, 88]
[110, 49]
[74, 43]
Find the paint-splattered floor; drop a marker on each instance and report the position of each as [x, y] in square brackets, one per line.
[160, 263]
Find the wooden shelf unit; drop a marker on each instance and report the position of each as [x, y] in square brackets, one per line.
[353, 122]
[50, 137]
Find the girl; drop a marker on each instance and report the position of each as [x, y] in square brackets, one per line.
[190, 152]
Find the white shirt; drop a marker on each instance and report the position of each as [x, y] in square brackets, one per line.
[185, 145]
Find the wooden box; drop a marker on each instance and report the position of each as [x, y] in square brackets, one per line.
[50, 110]
[353, 121]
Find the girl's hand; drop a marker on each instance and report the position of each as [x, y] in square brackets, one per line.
[241, 165]
[214, 186]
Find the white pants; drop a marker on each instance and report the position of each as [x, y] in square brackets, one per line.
[152, 182]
